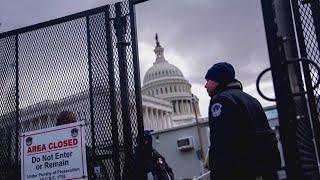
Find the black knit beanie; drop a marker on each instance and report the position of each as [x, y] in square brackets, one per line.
[222, 73]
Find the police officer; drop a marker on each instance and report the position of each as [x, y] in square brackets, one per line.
[243, 146]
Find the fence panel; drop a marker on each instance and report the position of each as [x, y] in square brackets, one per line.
[85, 63]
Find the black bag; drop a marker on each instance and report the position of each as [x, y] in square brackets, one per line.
[159, 167]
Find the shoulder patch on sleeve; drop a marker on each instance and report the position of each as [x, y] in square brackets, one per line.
[216, 109]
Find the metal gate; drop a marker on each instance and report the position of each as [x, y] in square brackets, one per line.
[293, 37]
[86, 63]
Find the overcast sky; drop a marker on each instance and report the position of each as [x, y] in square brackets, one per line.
[195, 34]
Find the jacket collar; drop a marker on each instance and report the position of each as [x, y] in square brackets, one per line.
[235, 84]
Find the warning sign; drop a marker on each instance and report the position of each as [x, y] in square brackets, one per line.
[54, 153]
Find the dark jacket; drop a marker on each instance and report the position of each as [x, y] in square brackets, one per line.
[242, 142]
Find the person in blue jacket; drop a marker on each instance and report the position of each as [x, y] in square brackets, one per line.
[243, 146]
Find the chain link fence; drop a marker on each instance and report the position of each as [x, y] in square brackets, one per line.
[307, 21]
[86, 63]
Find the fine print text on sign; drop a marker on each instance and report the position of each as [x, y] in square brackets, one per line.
[54, 153]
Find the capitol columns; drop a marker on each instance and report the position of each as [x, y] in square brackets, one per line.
[157, 119]
[147, 117]
[186, 106]
[162, 120]
[177, 106]
[182, 106]
[190, 106]
[151, 118]
[167, 119]
[145, 121]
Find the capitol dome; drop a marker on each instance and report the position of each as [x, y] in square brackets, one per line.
[166, 82]
[161, 70]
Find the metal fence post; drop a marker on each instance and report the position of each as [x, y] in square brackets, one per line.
[91, 104]
[120, 26]
[17, 123]
[142, 173]
[113, 110]
[294, 121]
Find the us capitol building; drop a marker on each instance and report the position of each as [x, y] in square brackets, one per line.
[167, 99]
